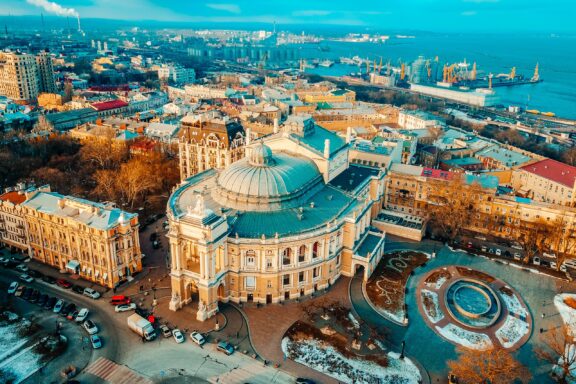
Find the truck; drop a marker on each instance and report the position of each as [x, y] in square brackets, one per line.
[141, 326]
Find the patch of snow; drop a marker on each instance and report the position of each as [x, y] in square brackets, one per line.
[438, 314]
[468, 339]
[513, 304]
[11, 316]
[394, 316]
[22, 365]
[438, 283]
[568, 313]
[324, 358]
[511, 331]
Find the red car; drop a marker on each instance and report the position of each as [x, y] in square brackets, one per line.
[63, 283]
[119, 300]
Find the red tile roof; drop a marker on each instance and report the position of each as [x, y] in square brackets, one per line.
[13, 197]
[437, 173]
[111, 104]
[553, 170]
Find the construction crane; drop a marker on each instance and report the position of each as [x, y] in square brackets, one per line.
[380, 66]
[402, 71]
[367, 66]
[428, 69]
[388, 68]
[512, 74]
[473, 74]
[490, 81]
[536, 76]
[448, 74]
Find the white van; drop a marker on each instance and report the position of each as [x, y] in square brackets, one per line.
[536, 260]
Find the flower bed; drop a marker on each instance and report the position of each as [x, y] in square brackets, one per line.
[431, 306]
[468, 339]
[385, 289]
[512, 302]
[325, 358]
[511, 331]
[437, 279]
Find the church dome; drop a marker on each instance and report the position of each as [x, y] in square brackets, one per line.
[267, 181]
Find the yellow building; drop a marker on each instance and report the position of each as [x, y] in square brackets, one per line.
[284, 222]
[332, 96]
[96, 241]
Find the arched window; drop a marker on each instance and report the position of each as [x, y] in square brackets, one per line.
[315, 250]
[287, 256]
[302, 253]
[250, 258]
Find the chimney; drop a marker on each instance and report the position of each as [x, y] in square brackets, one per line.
[348, 134]
[327, 148]
[276, 126]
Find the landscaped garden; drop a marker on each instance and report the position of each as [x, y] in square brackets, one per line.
[331, 340]
[473, 309]
[386, 287]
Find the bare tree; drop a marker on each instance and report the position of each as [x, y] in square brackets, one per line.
[533, 237]
[453, 205]
[104, 152]
[559, 351]
[494, 366]
[136, 180]
[561, 238]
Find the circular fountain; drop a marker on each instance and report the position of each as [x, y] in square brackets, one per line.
[472, 303]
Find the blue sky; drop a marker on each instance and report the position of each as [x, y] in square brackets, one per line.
[441, 15]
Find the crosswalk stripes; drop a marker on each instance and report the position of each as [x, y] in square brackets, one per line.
[240, 375]
[114, 373]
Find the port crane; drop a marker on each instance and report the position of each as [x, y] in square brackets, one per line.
[536, 76]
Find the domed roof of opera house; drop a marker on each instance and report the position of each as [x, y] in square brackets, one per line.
[265, 180]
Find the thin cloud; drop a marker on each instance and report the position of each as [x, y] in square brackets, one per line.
[481, 1]
[469, 13]
[232, 8]
[311, 12]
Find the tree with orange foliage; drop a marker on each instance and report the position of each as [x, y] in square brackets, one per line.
[493, 366]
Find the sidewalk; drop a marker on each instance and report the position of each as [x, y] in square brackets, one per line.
[267, 339]
[48, 270]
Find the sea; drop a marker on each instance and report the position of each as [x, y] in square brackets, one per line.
[555, 54]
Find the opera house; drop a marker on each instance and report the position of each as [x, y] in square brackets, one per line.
[284, 222]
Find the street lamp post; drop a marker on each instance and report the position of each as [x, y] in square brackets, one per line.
[402, 352]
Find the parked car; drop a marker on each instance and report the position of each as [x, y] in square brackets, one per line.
[480, 237]
[63, 283]
[452, 379]
[13, 287]
[18, 292]
[498, 252]
[166, 332]
[50, 303]
[42, 300]
[302, 380]
[90, 327]
[553, 265]
[34, 274]
[155, 244]
[517, 256]
[225, 347]
[72, 315]
[197, 337]
[58, 306]
[119, 300]
[469, 245]
[91, 293]
[545, 263]
[549, 255]
[78, 289]
[4, 261]
[26, 278]
[491, 250]
[22, 268]
[71, 307]
[536, 260]
[96, 341]
[484, 248]
[26, 293]
[82, 315]
[34, 296]
[516, 246]
[178, 336]
[125, 307]
[48, 279]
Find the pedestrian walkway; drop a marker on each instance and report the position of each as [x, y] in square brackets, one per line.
[114, 373]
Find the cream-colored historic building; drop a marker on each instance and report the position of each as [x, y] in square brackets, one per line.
[96, 241]
[209, 140]
[284, 222]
